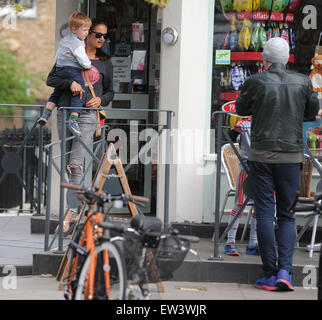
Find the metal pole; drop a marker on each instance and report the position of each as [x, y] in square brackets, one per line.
[62, 180]
[40, 167]
[47, 221]
[103, 140]
[167, 172]
[218, 180]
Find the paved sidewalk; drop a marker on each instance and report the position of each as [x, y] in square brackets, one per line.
[16, 243]
[46, 288]
[17, 246]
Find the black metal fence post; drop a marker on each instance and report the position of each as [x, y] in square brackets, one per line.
[40, 168]
[48, 200]
[62, 180]
[167, 172]
[218, 183]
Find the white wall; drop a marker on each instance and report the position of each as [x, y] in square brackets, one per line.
[64, 8]
[185, 88]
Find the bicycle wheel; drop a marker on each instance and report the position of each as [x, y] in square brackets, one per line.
[113, 268]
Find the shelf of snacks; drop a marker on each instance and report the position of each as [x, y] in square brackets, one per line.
[243, 27]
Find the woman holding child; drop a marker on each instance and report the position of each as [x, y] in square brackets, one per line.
[101, 77]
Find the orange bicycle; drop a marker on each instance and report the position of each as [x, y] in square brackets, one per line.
[97, 269]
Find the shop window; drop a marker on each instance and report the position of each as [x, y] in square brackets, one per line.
[241, 29]
[29, 12]
[129, 46]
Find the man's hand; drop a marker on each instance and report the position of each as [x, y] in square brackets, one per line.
[319, 115]
[94, 103]
[77, 89]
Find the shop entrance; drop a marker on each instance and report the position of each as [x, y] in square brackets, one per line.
[134, 47]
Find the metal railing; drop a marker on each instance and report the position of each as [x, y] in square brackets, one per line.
[14, 162]
[101, 146]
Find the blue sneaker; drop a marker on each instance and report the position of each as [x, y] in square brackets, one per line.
[73, 125]
[266, 283]
[231, 250]
[253, 251]
[284, 281]
[44, 117]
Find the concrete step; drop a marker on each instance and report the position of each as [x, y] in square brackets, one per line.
[46, 263]
[37, 224]
[202, 230]
[243, 269]
[206, 231]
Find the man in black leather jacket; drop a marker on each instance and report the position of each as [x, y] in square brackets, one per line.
[279, 101]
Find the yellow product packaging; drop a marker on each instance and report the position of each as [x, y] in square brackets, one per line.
[246, 5]
[245, 35]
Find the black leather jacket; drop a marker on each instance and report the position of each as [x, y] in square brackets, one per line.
[279, 101]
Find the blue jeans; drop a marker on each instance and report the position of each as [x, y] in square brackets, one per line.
[73, 74]
[283, 180]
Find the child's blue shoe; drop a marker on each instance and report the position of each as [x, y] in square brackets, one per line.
[254, 251]
[44, 117]
[231, 250]
[72, 122]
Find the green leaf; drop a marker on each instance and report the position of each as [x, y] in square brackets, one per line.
[14, 82]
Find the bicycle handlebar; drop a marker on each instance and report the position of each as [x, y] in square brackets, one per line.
[127, 197]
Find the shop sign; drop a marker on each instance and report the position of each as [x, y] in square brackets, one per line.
[229, 107]
[223, 57]
[122, 68]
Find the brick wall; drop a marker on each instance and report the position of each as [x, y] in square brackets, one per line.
[36, 39]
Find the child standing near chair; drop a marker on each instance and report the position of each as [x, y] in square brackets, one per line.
[243, 131]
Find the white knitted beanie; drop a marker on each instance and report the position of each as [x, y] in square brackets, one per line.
[276, 50]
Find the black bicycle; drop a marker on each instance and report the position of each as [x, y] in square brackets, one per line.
[114, 261]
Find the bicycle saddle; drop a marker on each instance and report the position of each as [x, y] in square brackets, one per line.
[146, 224]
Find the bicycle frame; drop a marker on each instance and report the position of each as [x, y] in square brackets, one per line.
[91, 234]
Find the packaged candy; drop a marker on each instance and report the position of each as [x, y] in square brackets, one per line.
[292, 39]
[262, 36]
[276, 6]
[246, 5]
[255, 40]
[227, 4]
[233, 39]
[285, 35]
[269, 33]
[245, 35]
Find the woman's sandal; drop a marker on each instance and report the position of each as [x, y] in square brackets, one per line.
[67, 225]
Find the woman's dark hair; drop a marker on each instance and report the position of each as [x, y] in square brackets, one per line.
[99, 52]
